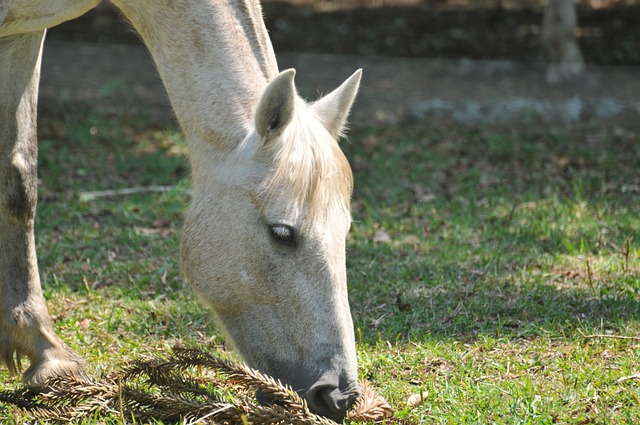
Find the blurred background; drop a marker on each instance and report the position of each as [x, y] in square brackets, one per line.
[434, 61]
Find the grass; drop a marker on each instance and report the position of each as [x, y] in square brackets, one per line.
[495, 271]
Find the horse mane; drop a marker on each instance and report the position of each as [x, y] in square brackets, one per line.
[309, 165]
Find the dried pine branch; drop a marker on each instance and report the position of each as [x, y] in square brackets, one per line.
[246, 376]
[371, 406]
[163, 374]
[71, 390]
[22, 398]
[166, 389]
[146, 406]
[279, 415]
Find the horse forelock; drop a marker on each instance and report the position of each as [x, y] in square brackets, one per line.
[308, 171]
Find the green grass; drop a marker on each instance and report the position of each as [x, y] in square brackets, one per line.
[481, 264]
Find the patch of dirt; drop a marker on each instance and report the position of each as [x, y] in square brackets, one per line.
[447, 61]
[445, 29]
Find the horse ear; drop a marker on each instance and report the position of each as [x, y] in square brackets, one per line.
[334, 108]
[275, 109]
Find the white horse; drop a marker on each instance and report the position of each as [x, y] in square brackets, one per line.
[264, 238]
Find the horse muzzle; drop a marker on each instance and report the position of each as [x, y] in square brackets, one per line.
[327, 397]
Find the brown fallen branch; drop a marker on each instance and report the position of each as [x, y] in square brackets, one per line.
[603, 336]
[190, 386]
[112, 193]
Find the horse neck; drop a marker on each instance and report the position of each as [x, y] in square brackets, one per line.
[215, 59]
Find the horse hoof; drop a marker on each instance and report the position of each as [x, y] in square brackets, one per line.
[57, 363]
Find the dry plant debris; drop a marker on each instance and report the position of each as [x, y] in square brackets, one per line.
[190, 386]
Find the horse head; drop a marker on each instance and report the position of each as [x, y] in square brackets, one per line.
[264, 244]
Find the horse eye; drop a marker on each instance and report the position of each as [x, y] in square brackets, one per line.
[282, 234]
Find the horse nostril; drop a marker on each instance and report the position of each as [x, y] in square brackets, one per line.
[330, 402]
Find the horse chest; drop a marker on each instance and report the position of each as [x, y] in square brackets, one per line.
[22, 16]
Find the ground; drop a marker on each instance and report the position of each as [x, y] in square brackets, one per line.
[425, 29]
[441, 62]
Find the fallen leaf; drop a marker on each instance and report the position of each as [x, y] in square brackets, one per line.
[382, 237]
[83, 324]
[627, 378]
[416, 399]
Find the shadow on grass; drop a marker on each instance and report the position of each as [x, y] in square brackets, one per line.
[456, 235]
[539, 296]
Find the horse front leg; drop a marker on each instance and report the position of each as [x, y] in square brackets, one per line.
[25, 325]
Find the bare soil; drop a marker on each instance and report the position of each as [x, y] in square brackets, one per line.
[445, 29]
[437, 61]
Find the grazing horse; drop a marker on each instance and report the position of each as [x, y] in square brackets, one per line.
[264, 238]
